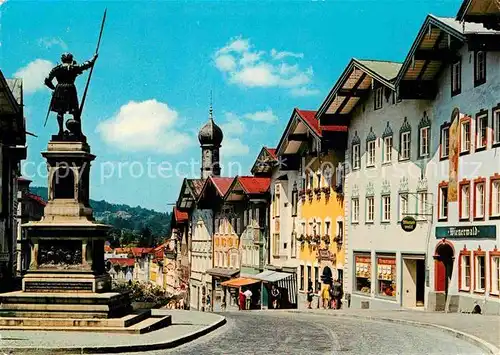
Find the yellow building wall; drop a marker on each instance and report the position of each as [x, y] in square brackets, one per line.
[320, 204]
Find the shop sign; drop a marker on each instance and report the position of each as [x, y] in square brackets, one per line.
[408, 224]
[326, 255]
[466, 232]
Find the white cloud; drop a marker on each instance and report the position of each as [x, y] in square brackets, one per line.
[243, 65]
[145, 126]
[280, 55]
[232, 147]
[262, 116]
[48, 42]
[303, 91]
[233, 125]
[33, 74]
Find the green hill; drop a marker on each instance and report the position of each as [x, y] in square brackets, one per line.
[130, 224]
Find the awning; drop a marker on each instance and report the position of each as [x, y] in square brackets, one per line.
[238, 282]
[219, 271]
[272, 276]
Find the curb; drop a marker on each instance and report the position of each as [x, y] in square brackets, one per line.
[483, 344]
[123, 348]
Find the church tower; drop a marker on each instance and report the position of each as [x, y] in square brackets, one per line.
[210, 137]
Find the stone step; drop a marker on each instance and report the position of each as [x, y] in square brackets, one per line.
[147, 325]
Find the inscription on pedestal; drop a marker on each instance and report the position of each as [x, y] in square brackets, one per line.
[59, 254]
[51, 286]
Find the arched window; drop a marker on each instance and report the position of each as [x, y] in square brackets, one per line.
[63, 183]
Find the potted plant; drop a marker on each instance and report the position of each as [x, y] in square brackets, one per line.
[338, 239]
[326, 239]
[301, 238]
[309, 238]
[326, 190]
[317, 239]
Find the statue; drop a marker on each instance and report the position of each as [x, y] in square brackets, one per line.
[64, 98]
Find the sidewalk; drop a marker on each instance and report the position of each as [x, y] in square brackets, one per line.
[484, 327]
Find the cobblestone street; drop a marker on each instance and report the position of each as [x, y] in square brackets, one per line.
[288, 333]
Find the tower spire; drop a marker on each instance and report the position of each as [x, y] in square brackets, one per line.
[210, 111]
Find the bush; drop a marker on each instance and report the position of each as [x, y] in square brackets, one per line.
[144, 292]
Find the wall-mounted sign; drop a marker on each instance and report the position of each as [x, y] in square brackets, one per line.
[408, 224]
[326, 255]
[467, 232]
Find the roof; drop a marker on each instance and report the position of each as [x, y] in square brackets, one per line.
[36, 198]
[254, 185]
[272, 276]
[222, 184]
[486, 12]
[219, 271]
[309, 117]
[139, 252]
[122, 261]
[16, 87]
[271, 151]
[355, 83]
[180, 217]
[265, 161]
[196, 186]
[189, 192]
[464, 27]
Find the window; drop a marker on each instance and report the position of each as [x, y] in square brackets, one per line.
[301, 277]
[405, 146]
[317, 284]
[355, 210]
[445, 142]
[379, 95]
[295, 200]
[403, 206]
[328, 173]
[496, 127]
[424, 142]
[481, 132]
[387, 150]
[464, 201]
[479, 68]
[370, 156]
[495, 197]
[327, 227]
[340, 232]
[456, 78]
[356, 160]
[495, 274]
[245, 217]
[465, 272]
[465, 136]
[480, 268]
[479, 199]
[370, 209]
[309, 275]
[386, 276]
[318, 179]
[443, 202]
[276, 244]
[277, 191]
[422, 205]
[363, 273]
[386, 205]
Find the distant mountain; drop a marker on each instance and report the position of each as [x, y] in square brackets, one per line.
[131, 224]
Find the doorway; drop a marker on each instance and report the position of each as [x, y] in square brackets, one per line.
[443, 266]
[413, 281]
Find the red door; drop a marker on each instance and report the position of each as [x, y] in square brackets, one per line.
[439, 276]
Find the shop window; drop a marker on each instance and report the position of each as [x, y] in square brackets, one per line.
[495, 197]
[464, 201]
[479, 199]
[479, 68]
[456, 78]
[370, 209]
[379, 95]
[403, 205]
[317, 284]
[481, 131]
[356, 160]
[363, 273]
[495, 273]
[386, 276]
[355, 210]
[386, 208]
[301, 277]
[387, 150]
[465, 271]
[443, 202]
[480, 271]
[465, 136]
[496, 127]
[445, 142]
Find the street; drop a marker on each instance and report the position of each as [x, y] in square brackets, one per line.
[291, 333]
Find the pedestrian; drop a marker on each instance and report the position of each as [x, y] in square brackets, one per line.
[275, 293]
[209, 304]
[337, 293]
[248, 298]
[310, 292]
[325, 296]
[241, 299]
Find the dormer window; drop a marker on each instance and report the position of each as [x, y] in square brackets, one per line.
[379, 94]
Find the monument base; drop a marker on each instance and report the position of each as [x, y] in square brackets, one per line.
[67, 283]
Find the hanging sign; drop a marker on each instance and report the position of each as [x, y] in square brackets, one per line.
[408, 224]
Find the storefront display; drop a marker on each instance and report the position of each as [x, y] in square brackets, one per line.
[363, 274]
[386, 276]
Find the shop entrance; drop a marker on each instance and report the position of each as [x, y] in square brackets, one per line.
[443, 266]
[413, 281]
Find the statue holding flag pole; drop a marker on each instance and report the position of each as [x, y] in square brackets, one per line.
[64, 96]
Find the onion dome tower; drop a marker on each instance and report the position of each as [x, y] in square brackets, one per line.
[210, 137]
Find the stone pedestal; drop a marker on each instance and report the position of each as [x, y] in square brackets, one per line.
[66, 279]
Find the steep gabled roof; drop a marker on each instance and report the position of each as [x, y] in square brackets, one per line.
[220, 184]
[180, 217]
[247, 186]
[355, 83]
[189, 193]
[265, 161]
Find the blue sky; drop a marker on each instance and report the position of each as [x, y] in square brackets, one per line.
[159, 60]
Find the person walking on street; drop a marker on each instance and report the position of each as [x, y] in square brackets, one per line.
[241, 298]
[337, 293]
[248, 298]
[310, 292]
[275, 293]
[325, 296]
